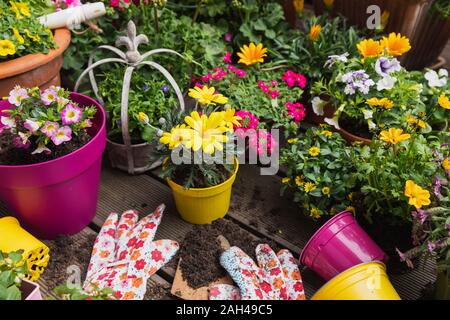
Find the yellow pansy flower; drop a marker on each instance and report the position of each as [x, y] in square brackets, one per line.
[417, 122]
[7, 47]
[394, 135]
[314, 32]
[384, 102]
[395, 44]
[314, 151]
[252, 54]
[418, 197]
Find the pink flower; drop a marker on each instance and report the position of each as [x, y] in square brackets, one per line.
[206, 78]
[63, 134]
[296, 110]
[228, 37]
[262, 142]
[265, 89]
[231, 67]
[240, 73]
[50, 128]
[261, 84]
[72, 3]
[156, 255]
[31, 125]
[8, 122]
[248, 120]
[21, 142]
[71, 114]
[227, 57]
[291, 79]
[301, 80]
[49, 96]
[219, 75]
[114, 3]
[274, 83]
[274, 94]
[16, 95]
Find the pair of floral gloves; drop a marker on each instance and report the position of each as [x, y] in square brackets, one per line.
[125, 256]
[274, 277]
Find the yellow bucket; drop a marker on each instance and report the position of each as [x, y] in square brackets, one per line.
[366, 281]
[13, 237]
[203, 205]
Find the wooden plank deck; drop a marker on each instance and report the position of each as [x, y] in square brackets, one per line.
[256, 206]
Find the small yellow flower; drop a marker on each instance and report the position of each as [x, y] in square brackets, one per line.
[285, 180]
[314, 151]
[326, 190]
[384, 18]
[309, 186]
[369, 48]
[143, 118]
[444, 101]
[395, 44]
[17, 35]
[416, 122]
[351, 209]
[446, 164]
[299, 5]
[418, 197]
[326, 133]
[328, 3]
[384, 102]
[314, 213]
[230, 120]
[7, 48]
[20, 9]
[34, 37]
[394, 135]
[252, 54]
[299, 181]
[350, 196]
[314, 32]
[207, 96]
[292, 140]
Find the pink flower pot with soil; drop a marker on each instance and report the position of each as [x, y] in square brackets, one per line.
[57, 197]
[339, 245]
[30, 290]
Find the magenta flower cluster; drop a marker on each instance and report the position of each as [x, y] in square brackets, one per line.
[269, 89]
[293, 79]
[296, 111]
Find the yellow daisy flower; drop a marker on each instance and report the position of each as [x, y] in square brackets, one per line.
[369, 48]
[299, 181]
[444, 101]
[177, 136]
[7, 47]
[446, 164]
[326, 133]
[285, 180]
[395, 44]
[314, 151]
[252, 54]
[207, 96]
[314, 32]
[230, 120]
[394, 135]
[326, 190]
[143, 118]
[314, 213]
[418, 197]
[309, 186]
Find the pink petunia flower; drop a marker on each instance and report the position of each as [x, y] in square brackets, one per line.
[16, 95]
[50, 128]
[31, 125]
[8, 122]
[240, 73]
[71, 114]
[296, 110]
[49, 96]
[274, 94]
[62, 135]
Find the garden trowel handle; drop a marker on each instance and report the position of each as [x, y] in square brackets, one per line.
[73, 16]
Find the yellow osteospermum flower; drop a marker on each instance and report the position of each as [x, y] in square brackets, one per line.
[7, 48]
[314, 151]
[326, 190]
[299, 5]
[369, 48]
[394, 135]
[143, 118]
[314, 32]
[384, 102]
[328, 3]
[309, 186]
[208, 132]
[314, 213]
[326, 133]
[285, 180]
[230, 120]
[418, 197]
[444, 101]
[18, 36]
[207, 96]
[395, 44]
[299, 181]
[177, 136]
[446, 164]
[252, 54]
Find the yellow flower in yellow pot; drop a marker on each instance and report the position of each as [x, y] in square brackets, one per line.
[252, 54]
[418, 196]
[395, 44]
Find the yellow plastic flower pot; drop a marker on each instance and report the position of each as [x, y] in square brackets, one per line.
[366, 281]
[13, 237]
[203, 205]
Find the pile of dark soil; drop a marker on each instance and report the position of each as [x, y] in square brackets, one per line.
[9, 155]
[200, 251]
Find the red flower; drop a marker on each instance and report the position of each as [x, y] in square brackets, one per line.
[150, 225]
[283, 293]
[111, 232]
[140, 264]
[131, 242]
[122, 255]
[246, 273]
[157, 255]
[118, 294]
[266, 287]
[298, 286]
[259, 294]
[275, 272]
[214, 292]
[139, 244]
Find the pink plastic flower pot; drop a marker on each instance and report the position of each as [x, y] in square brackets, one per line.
[57, 197]
[30, 290]
[338, 245]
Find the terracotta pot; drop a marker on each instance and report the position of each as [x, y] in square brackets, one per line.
[41, 70]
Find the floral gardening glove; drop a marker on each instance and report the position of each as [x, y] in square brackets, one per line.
[125, 256]
[276, 277]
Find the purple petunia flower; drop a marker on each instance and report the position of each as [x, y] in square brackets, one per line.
[357, 81]
[385, 66]
[165, 88]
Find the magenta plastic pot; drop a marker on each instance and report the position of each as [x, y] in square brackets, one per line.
[338, 245]
[57, 197]
[30, 290]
